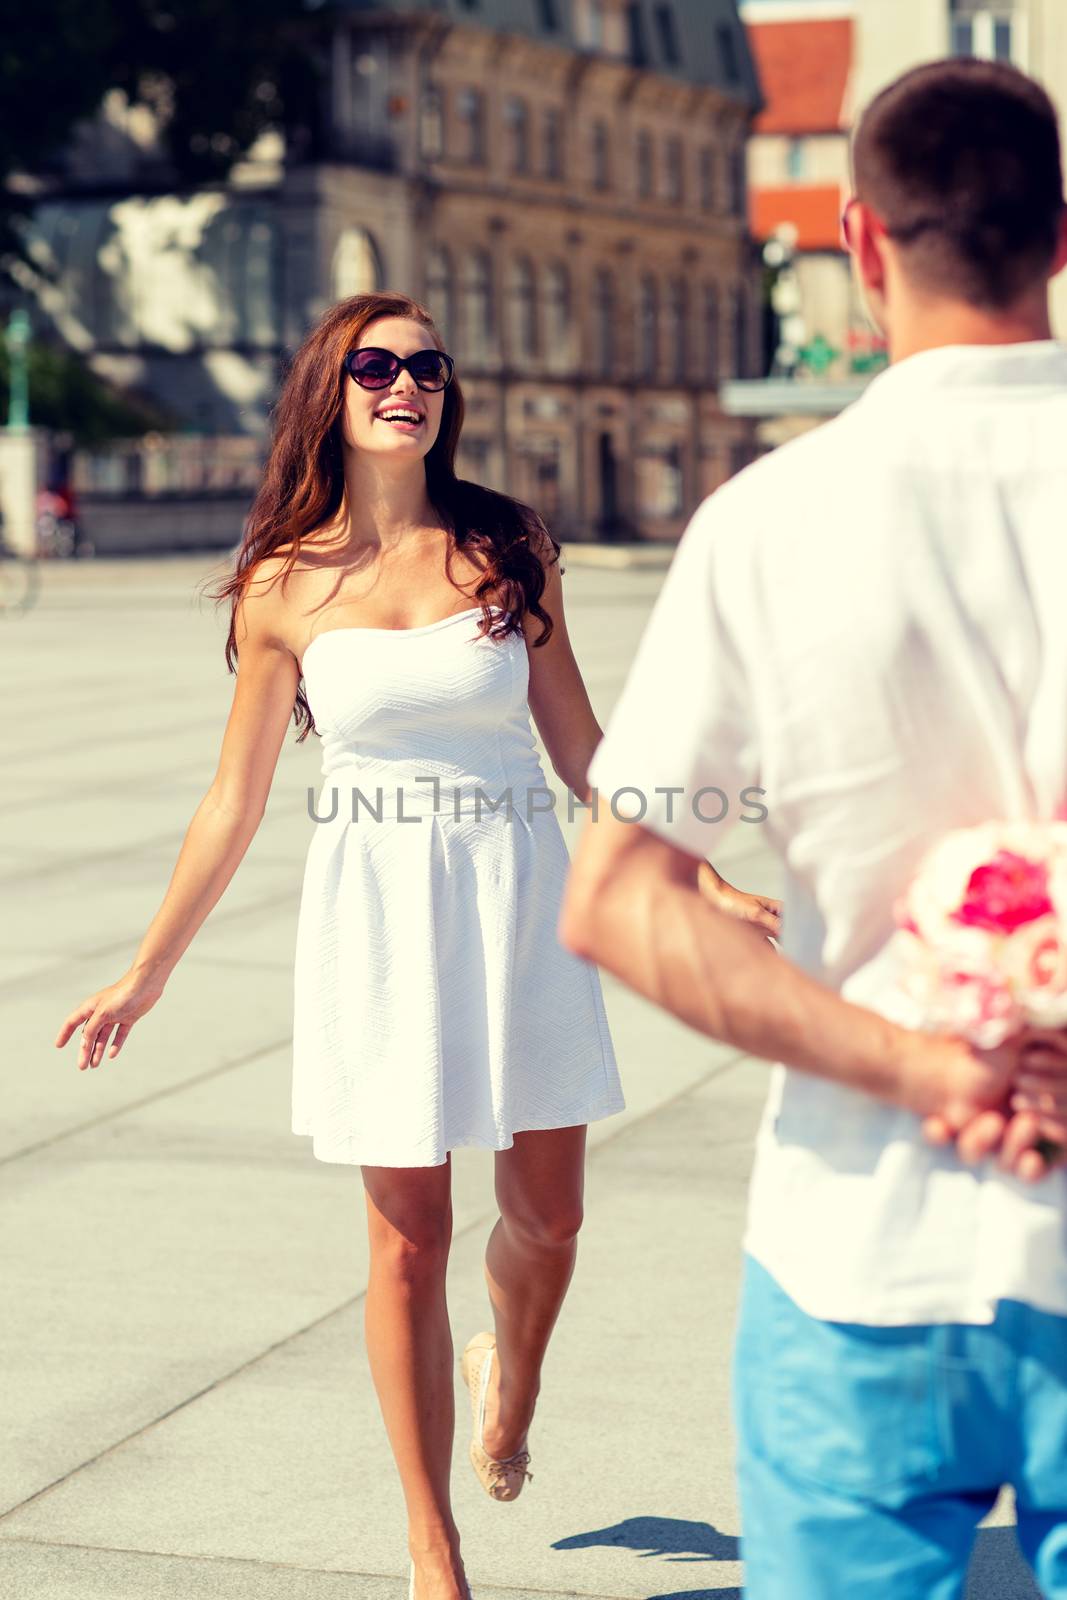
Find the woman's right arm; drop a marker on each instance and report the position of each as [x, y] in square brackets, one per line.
[220, 832]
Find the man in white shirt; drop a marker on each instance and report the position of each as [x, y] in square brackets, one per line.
[865, 633]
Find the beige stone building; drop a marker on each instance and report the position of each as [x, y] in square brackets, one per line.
[563, 181]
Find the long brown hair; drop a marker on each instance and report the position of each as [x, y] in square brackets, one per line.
[303, 484]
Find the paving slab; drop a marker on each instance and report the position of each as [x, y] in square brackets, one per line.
[187, 1409]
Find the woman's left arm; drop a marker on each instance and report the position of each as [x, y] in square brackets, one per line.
[568, 726]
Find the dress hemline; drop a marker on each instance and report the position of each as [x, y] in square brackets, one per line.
[608, 1109]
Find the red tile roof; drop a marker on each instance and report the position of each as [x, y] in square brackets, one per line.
[813, 208]
[804, 71]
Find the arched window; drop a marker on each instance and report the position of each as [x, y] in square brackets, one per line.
[738, 184]
[648, 328]
[644, 164]
[604, 323]
[739, 318]
[470, 107]
[432, 122]
[522, 304]
[517, 118]
[674, 170]
[677, 335]
[708, 184]
[711, 334]
[553, 144]
[557, 317]
[479, 331]
[471, 111]
[601, 157]
[356, 264]
[439, 289]
[261, 301]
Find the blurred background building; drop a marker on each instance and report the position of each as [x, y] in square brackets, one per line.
[562, 181]
[623, 213]
[819, 63]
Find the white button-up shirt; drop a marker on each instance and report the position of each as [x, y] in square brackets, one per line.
[870, 625]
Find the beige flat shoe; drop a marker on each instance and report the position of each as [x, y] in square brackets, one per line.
[503, 1480]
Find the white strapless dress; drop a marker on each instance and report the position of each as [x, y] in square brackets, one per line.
[434, 1005]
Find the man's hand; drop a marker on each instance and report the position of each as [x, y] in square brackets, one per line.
[1027, 1127]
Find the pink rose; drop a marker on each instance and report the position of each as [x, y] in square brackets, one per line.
[1004, 893]
[1035, 964]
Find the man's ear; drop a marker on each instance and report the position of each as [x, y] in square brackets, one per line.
[1059, 260]
[867, 237]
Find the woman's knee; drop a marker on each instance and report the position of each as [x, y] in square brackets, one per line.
[410, 1226]
[413, 1248]
[545, 1227]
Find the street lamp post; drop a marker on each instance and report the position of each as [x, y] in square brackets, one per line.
[17, 339]
[18, 444]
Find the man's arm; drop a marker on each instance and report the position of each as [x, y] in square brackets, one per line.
[633, 907]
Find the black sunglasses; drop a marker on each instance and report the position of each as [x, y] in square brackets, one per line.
[372, 368]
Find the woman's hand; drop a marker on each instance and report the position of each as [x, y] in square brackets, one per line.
[118, 1006]
[755, 908]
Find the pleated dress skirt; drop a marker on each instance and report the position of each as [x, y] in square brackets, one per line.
[434, 1005]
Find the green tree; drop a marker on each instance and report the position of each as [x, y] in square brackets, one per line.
[216, 72]
[67, 395]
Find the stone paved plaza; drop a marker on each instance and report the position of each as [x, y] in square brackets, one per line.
[187, 1407]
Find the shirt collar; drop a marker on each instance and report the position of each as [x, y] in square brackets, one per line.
[1036, 363]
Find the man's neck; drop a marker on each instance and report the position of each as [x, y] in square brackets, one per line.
[929, 325]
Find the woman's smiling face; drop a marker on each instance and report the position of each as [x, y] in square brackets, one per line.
[400, 421]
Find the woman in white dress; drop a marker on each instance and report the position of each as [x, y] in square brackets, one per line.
[414, 621]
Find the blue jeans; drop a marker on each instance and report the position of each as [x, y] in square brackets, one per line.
[868, 1455]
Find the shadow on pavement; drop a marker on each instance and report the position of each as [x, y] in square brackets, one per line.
[997, 1570]
[661, 1536]
[700, 1594]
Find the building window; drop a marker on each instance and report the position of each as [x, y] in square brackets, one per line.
[796, 160]
[356, 266]
[522, 300]
[711, 334]
[707, 178]
[439, 289]
[518, 121]
[738, 184]
[589, 23]
[660, 482]
[432, 123]
[673, 170]
[635, 23]
[648, 328]
[993, 33]
[644, 165]
[601, 157]
[667, 33]
[553, 144]
[604, 323]
[677, 336]
[479, 331]
[731, 65]
[470, 104]
[557, 317]
[739, 317]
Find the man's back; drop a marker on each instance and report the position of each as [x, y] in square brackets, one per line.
[872, 619]
[896, 584]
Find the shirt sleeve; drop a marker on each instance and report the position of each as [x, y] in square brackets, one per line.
[679, 750]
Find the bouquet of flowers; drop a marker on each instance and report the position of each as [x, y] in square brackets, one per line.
[982, 938]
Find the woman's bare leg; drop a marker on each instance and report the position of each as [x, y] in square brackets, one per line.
[529, 1262]
[409, 1342]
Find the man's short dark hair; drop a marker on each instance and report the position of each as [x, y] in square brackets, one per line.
[961, 161]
